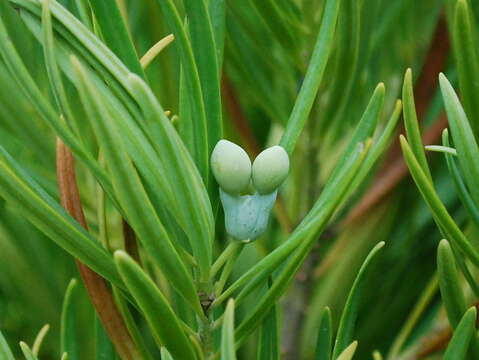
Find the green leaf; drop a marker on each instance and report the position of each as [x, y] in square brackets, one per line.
[463, 136]
[33, 93]
[467, 60]
[451, 291]
[228, 351]
[268, 342]
[162, 320]
[82, 42]
[115, 33]
[348, 353]
[461, 188]
[217, 10]
[350, 312]
[204, 49]
[324, 342]
[193, 84]
[49, 217]
[457, 348]
[411, 124]
[441, 149]
[69, 324]
[165, 355]
[276, 20]
[27, 352]
[440, 214]
[130, 192]
[195, 211]
[104, 349]
[365, 130]
[312, 80]
[51, 64]
[130, 322]
[379, 146]
[5, 352]
[39, 339]
[191, 207]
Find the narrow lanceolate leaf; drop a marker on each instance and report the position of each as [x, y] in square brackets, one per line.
[411, 123]
[363, 131]
[324, 342]
[193, 84]
[379, 146]
[449, 283]
[217, 10]
[165, 355]
[115, 33]
[81, 41]
[268, 342]
[196, 213]
[162, 320]
[463, 136]
[440, 213]
[228, 351]
[314, 75]
[104, 349]
[276, 20]
[69, 325]
[457, 348]
[39, 339]
[130, 192]
[17, 186]
[204, 50]
[52, 69]
[457, 177]
[5, 352]
[350, 312]
[33, 93]
[467, 60]
[27, 352]
[348, 353]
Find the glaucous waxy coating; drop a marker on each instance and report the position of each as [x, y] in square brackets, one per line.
[270, 168]
[247, 216]
[231, 166]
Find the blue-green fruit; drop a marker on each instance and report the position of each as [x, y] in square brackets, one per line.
[270, 168]
[231, 167]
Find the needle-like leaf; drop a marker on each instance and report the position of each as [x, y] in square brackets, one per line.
[314, 75]
[351, 309]
[162, 320]
[324, 342]
[457, 348]
[228, 351]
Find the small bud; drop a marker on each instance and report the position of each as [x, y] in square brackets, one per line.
[270, 168]
[231, 166]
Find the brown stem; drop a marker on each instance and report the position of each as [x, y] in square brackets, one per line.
[97, 288]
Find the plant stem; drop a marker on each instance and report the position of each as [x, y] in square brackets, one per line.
[206, 336]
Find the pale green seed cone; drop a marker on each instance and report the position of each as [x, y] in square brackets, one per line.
[231, 166]
[270, 168]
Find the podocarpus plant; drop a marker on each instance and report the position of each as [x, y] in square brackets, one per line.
[160, 212]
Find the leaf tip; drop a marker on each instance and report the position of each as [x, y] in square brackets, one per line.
[381, 88]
